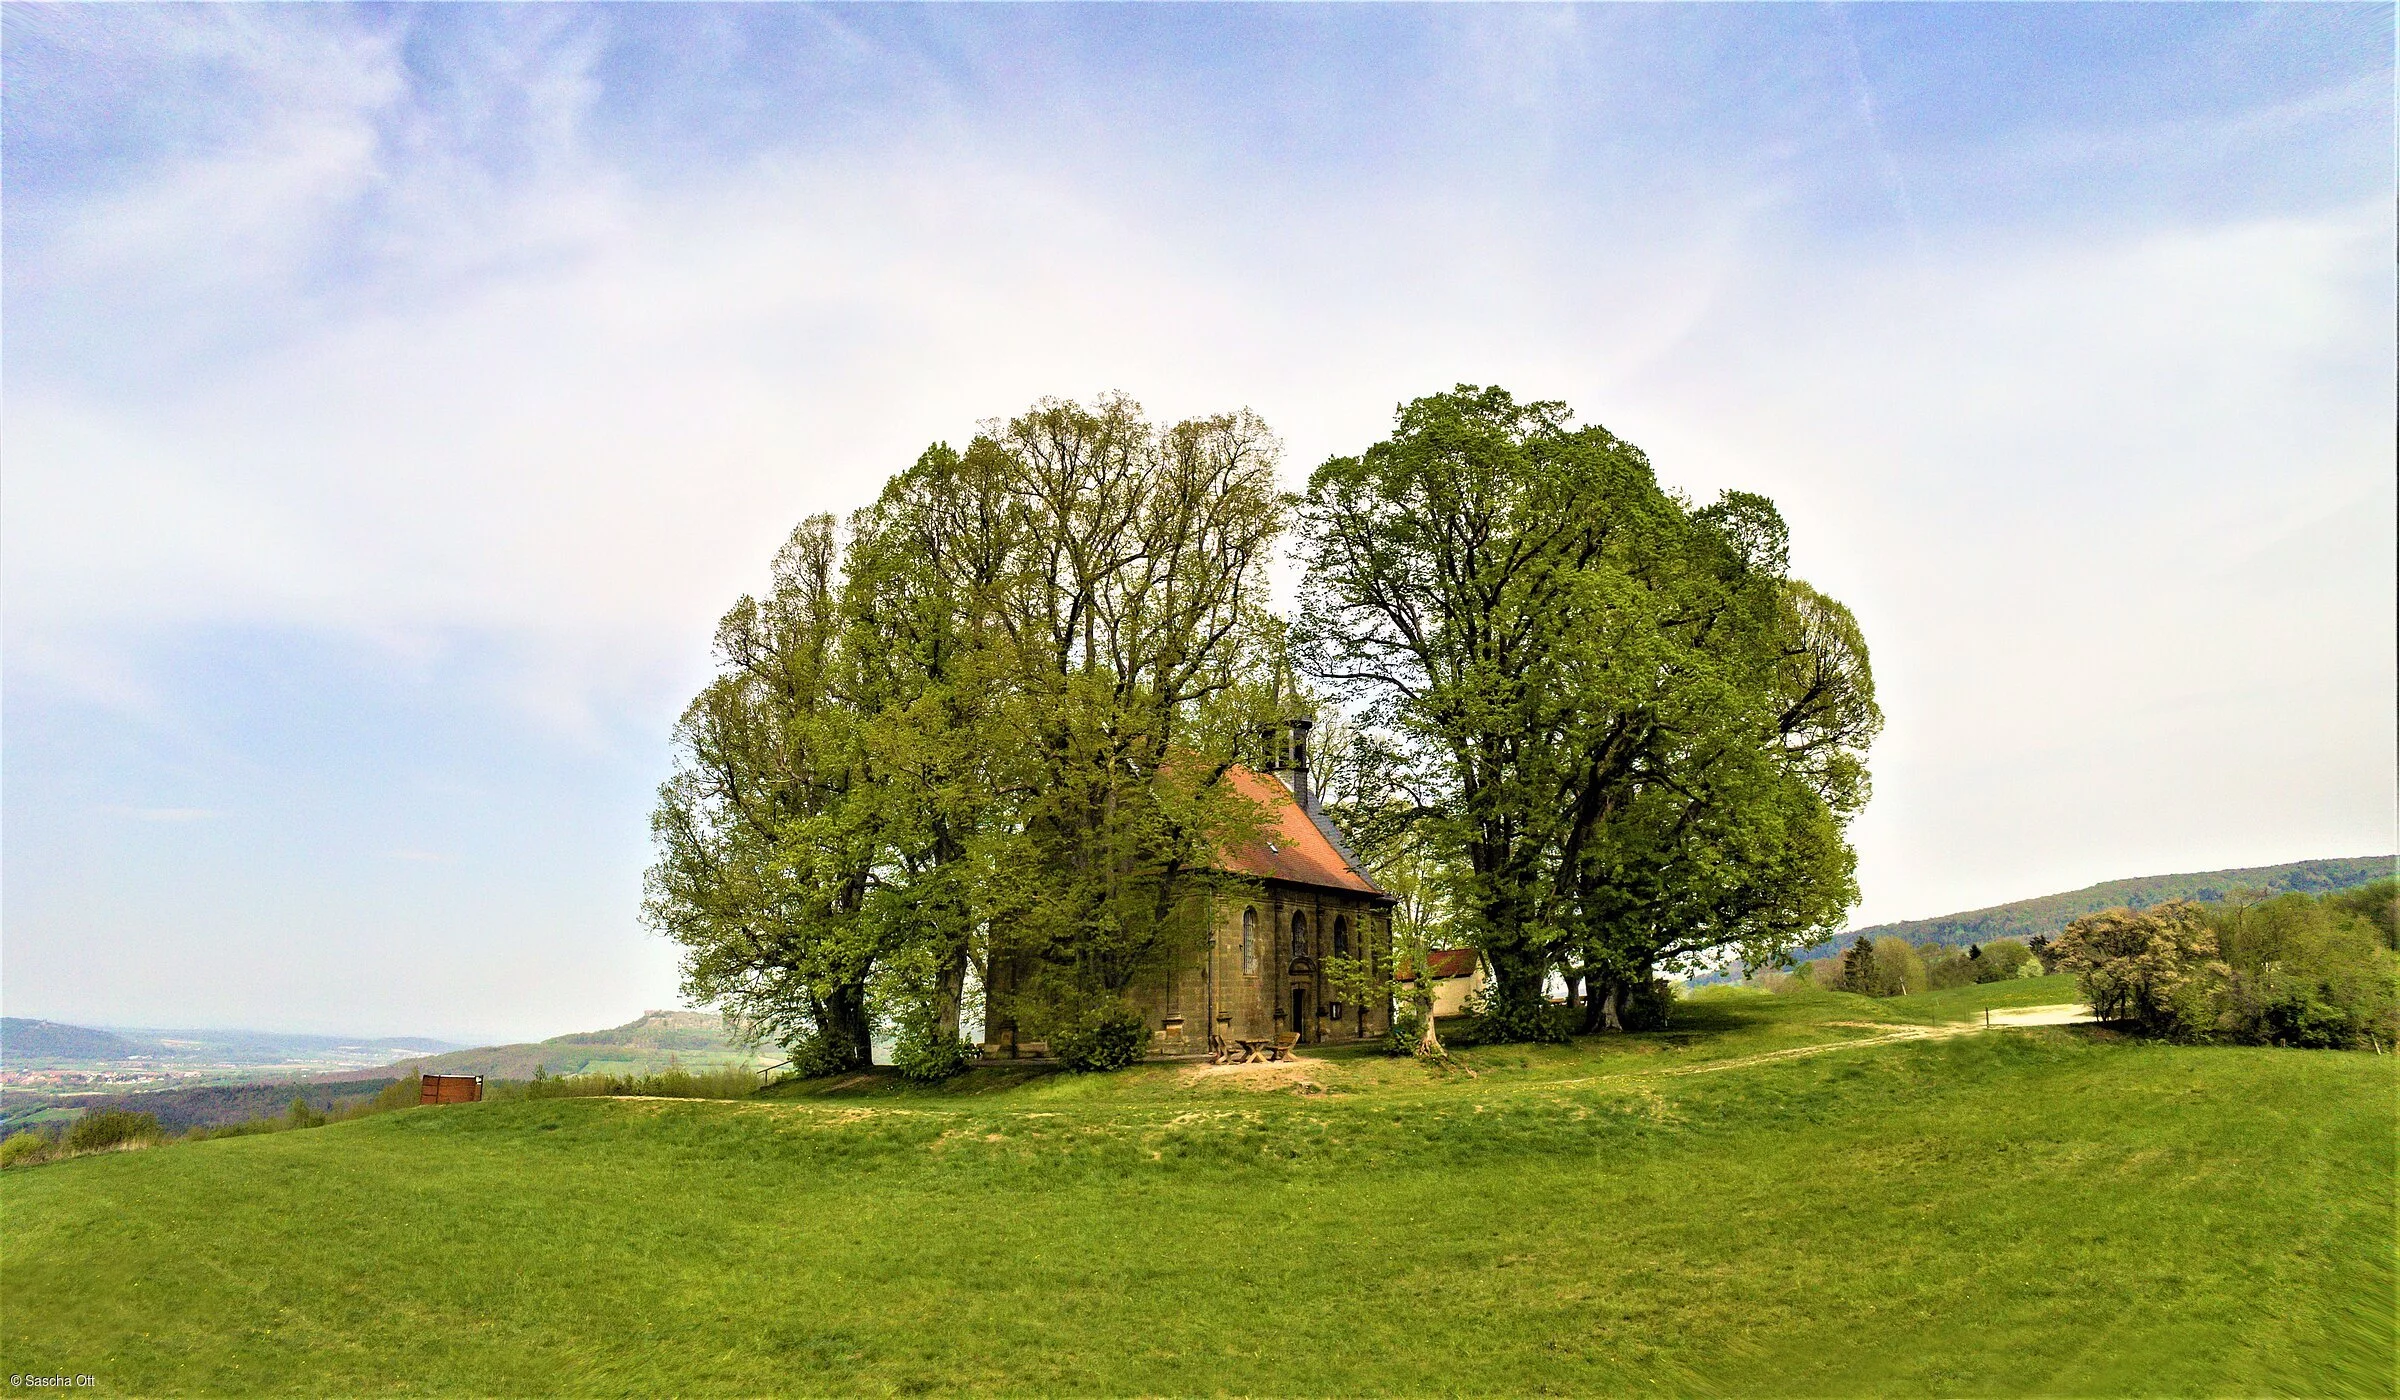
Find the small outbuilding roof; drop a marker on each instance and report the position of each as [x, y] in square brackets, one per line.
[1294, 846]
[1447, 962]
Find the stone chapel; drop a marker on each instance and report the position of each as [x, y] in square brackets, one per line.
[1260, 971]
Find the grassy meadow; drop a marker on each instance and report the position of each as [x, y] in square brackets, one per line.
[1718, 1209]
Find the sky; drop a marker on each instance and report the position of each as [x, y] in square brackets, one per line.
[393, 398]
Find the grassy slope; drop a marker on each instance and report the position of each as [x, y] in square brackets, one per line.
[2026, 1211]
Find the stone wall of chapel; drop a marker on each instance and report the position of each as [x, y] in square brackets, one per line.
[1257, 1004]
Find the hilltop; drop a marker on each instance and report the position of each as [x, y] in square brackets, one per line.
[1805, 1194]
[27, 1043]
[648, 1043]
[2049, 913]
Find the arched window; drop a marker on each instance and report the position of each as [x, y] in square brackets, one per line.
[1299, 935]
[1249, 940]
[1341, 940]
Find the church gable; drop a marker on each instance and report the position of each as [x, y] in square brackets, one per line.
[1295, 846]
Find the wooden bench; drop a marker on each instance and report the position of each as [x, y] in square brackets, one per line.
[1282, 1048]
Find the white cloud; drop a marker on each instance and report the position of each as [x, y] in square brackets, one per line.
[2114, 505]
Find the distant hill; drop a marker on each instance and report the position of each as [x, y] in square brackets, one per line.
[693, 1039]
[2051, 913]
[31, 1044]
[25, 1042]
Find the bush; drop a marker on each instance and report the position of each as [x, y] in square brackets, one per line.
[2156, 968]
[817, 1056]
[1406, 1034]
[2005, 959]
[1647, 1007]
[1501, 1020]
[1109, 1035]
[96, 1132]
[2304, 972]
[1899, 970]
[930, 1059]
[406, 1092]
[25, 1149]
[1882, 967]
[1954, 969]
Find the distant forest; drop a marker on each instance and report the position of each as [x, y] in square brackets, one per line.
[2051, 913]
[201, 1106]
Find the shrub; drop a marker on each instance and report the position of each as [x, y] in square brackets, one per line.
[2304, 972]
[2156, 968]
[1954, 969]
[1504, 1020]
[95, 1132]
[25, 1149]
[1882, 967]
[1108, 1035]
[816, 1056]
[1647, 1007]
[405, 1092]
[1899, 970]
[2005, 959]
[930, 1059]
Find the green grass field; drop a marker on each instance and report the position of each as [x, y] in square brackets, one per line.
[1714, 1210]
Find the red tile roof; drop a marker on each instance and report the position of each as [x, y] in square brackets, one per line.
[1447, 962]
[1291, 847]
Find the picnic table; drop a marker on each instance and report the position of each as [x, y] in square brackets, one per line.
[1244, 1050]
[1253, 1052]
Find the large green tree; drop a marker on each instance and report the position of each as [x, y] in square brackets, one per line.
[982, 745]
[766, 831]
[1642, 738]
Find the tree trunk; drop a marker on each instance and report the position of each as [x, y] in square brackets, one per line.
[1593, 1023]
[950, 992]
[1608, 1011]
[848, 1033]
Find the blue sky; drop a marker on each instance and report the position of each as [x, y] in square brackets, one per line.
[394, 397]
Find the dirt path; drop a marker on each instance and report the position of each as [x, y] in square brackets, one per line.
[2064, 1014]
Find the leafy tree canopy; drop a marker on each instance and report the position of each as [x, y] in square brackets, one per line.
[1637, 738]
